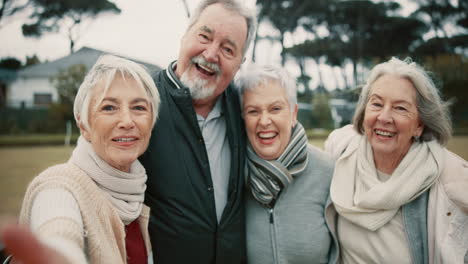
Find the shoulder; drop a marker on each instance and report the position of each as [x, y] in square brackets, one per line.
[66, 175]
[320, 156]
[320, 161]
[339, 139]
[454, 179]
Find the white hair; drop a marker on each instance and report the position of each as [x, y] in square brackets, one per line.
[247, 13]
[105, 69]
[433, 111]
[253, 75]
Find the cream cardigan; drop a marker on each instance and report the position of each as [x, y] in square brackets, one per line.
[103, 239]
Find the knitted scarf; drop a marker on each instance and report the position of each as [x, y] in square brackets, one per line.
[360, 197]
[124, 190]
[266, 178]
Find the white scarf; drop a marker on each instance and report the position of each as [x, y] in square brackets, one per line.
[360, 197]
[126, 191]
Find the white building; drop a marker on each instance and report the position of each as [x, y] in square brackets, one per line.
[31, 86]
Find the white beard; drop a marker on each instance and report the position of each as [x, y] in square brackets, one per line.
[198, 87]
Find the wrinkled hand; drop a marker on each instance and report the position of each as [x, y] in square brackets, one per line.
[26, 248]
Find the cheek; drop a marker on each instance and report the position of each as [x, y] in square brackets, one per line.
[250, 127]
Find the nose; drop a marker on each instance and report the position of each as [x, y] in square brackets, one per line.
[211, 53]
[265, 119]
[385, 116]
[126, 120]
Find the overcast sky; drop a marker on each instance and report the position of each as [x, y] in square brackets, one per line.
[147, 30]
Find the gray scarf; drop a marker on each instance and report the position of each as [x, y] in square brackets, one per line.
[125, 191]
[267, 178]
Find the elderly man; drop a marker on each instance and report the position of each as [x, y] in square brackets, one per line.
[195, 159]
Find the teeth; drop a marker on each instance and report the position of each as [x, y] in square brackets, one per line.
[267, 135]
[124, 139]
[206, 69]
[384, 133]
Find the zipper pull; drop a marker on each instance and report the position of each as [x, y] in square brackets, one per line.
[271, 215]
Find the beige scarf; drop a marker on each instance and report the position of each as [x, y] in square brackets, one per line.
[360, 197]
[126, 191]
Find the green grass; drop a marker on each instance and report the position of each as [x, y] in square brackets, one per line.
[35, 139]
[18, 165]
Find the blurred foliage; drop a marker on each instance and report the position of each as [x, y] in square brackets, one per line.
[10, 63]
[451, 75]
[67, 83]
[363, 33]
[54, 15]
[321, 114]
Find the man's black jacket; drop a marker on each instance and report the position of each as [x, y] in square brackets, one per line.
[183, 226]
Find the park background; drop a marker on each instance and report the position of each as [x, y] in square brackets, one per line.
[328, 45]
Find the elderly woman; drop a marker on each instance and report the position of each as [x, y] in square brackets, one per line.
[287, 179]
[91, 209]
[400, 195]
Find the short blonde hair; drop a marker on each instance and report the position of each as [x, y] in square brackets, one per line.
[105, 69]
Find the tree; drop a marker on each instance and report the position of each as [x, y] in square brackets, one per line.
[451, 75]
[52, 15]
[274, 11]
[11, 7]
[67, 83]
[321, 114]
[31, 60]
[10, 63]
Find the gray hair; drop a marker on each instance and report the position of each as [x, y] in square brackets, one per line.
[105, 69]
[254, 75]
[433, 111]
[234, 6]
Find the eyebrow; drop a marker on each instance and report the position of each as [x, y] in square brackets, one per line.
[134, 101]
[398, 101]
[206, 29]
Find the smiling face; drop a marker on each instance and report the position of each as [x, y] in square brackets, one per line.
[120, 125]
[391, 117]
[268, 119]
[211, 52]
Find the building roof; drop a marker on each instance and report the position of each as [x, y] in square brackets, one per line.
[85, 55]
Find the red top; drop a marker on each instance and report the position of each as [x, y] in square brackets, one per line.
[134, 244]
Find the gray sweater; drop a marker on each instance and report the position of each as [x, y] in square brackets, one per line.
[295, 230]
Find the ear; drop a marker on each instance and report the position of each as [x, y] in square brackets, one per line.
[419, 129]
[294, 115]
[84, 132]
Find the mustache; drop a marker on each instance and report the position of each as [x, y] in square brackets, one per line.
[202, 61]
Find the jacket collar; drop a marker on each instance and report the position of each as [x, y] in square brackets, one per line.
[172, 76]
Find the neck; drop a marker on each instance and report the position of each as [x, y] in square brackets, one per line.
[387, 163]
[203, 107]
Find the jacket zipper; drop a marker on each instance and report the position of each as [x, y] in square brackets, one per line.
[273, 234]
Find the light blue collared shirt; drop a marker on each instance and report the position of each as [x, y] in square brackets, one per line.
[213, 129]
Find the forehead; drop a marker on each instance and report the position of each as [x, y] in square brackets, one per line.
[224, 22]
[265, 92]
[393, 87]
[121, 85]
